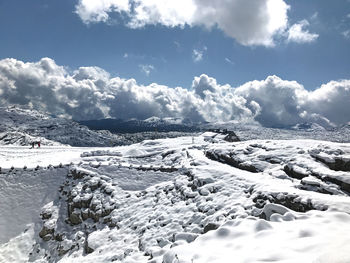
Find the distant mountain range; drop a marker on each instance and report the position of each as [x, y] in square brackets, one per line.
[21, 126]
[153, 124]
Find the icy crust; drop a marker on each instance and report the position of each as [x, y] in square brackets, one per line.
[168, 201]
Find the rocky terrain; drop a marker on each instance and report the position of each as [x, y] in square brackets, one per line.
[254, 131]
[21, 126]
[186, 199]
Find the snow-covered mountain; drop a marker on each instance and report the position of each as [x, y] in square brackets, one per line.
[188, 199]
[309, 126]
[20, 126]
[244, 130]
[152, 124]
[253, 131]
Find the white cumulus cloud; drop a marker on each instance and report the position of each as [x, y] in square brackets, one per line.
[92, 11]
[299, 34]
[253, 22]
[91, 93]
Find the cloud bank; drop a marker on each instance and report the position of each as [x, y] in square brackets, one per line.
[91, 93]
[253, 22]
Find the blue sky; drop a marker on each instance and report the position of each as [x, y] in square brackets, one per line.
[272, 62]
[31, 30]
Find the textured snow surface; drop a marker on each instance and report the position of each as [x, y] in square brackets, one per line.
[177, 200]
[18, 157]
[22, 126]
[251, 131]
[310, 237]
[22, 195]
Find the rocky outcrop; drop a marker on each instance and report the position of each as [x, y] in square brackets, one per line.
[336, 163]
[291, 201]
[296, 172]
[232, 161]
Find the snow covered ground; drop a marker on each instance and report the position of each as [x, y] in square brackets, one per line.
[177, 200]
[20, 126]
[20, 156]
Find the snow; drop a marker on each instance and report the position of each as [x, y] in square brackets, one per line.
[175, 200]
[253, 131]
[22, 126]
[19, 156]
[22, 195]
[18, 248]
[311, 237]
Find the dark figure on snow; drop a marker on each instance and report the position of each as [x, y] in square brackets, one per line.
[35, 143]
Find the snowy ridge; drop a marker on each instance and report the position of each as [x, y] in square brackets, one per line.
[313, 131]
[185, 200]
[20, 138]
[21, 126]
[308, 126]
[152, 124]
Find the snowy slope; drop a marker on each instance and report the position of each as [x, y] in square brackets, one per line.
[20, 126]
[178, 200]
[253, 131]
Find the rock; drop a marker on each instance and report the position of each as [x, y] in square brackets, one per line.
[85, 214]
[63, 249]
[106, 212]
[295, 173]
[47, 237]
[45, 231]
[77, 174]
[190, 194]
[74, 218]
[204, 192]
[188, 237]
[270, 209]
[231, 137]
[336, 163]
[203, 180]
[95, 215]
[88, 250]
[46, 215]
[59, 237]
[210, 226]
[230, 160]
